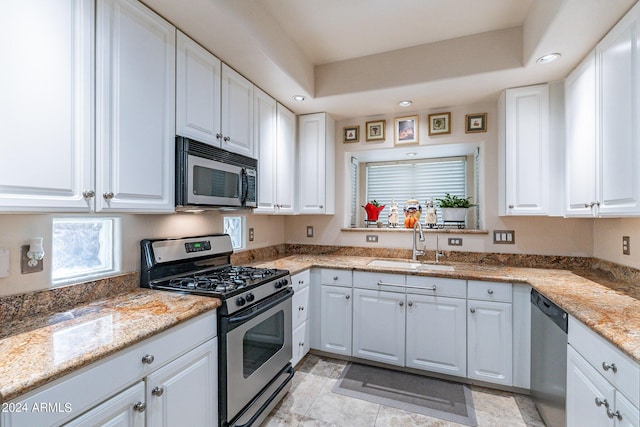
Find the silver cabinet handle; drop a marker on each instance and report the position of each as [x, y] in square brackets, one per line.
[301, 344]
[410, 303]
[226, 139]
[600, 402]
[108, 195]
[335, 277]
[401, 303]
[347, 296]
[148, 359]
[301, 308]
[612, 414]
[300, 282]
[597, 203]
[158, 391]
[87, 194]
[587, 205]
[511, 206]
[139, 407]
[490, 291]
[321, 206]
[218, 135]
[606, 366]
[473, 310]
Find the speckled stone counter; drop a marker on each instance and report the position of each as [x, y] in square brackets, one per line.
[38, 349]
[609, 307]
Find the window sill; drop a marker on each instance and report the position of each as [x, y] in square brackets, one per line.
[410, 230]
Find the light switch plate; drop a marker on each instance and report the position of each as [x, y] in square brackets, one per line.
[309, 230]
[504, 237]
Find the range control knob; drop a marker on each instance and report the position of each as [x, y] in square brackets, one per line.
[281, 283]
[249, 297]
[241, 301]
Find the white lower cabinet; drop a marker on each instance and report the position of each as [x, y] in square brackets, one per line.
[379, 326]
[437, 334]
[335, 319]
[300, 342]
[489, 342]
[125, 409]
[300, 315]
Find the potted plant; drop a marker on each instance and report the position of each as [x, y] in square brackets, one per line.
[454, 208]
[373, 209]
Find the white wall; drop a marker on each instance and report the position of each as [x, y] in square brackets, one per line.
[16, 229]
[608, 240]
[549, 236]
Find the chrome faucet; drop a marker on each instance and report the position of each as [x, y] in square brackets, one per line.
[416, 251]
[439, 253]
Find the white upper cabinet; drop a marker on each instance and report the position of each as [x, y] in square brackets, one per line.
[237, 113]
[46, 104]
[316, 164]
[197, 91]
[135, 108]
[580, 144]
[524, 151]
[618, 80]
[275, 139]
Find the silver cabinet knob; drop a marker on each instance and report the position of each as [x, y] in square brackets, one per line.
[490, 291]
[139, 407]
[473, 310]
[301, 344]
[410, 303]
[612, 414]
[301, 308]
[335, 277]
[511, 206]
[88, 194]
[321, 206]
[606, 366]
[401, 303]
[158, 391]
[600, 402]
[226, 139]
[148, 359]
[347, 296]
[218, 135]
[108, 195]
[300, 282]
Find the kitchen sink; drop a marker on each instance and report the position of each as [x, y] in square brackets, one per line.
[409, 265]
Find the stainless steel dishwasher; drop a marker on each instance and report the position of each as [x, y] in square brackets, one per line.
[548, 359]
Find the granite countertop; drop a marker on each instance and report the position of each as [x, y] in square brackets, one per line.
[609, 307]
[40, 349]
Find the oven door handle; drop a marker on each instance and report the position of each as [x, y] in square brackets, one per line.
[259, 309]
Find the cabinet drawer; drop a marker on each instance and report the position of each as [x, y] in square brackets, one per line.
[300, 306]
[600, 353]
[300, 280]
[489, 291]
[456, 288]
[370, 280]
[330, 276]
[110, 375]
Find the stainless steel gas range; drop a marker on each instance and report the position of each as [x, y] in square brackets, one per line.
[254, 322]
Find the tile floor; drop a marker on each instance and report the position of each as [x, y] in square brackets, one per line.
[311, 403]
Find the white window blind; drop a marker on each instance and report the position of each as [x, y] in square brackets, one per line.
[420, 179]
[354, 189]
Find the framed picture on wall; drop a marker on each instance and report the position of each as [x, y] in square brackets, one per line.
[475, 123]
[351, 134]
[375, 131]
[406, 130]
[439, 124]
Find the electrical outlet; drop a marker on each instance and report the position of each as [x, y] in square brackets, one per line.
[626, 245]
[455, 241]
[251, 234]
[309, 230]
[372, 238]
[25, 268]
[504, 237]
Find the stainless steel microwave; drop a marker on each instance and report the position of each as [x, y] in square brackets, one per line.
[210, 177]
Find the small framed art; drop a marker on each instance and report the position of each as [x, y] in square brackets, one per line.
[475, 123]
[351, 134]
[375, 130]
[439, 124]
[406, 130]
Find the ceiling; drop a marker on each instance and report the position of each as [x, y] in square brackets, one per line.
[359, 58]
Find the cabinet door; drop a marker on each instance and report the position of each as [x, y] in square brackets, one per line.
[46, 105]
[316, 167]
[437, 334]
[185, 392]
[237, 113]
[489, 345]
[379, 326]
[584, 386]
[197, 92]
[300, 342]
[135, 103]
[580, 132]
[126, 409]
[286, 161]
[265, 138]
[300, 306]
[619, 117]
[526, 148]
[335, 320]
[626, 414]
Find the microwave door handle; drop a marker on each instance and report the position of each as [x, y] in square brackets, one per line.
[245, 187]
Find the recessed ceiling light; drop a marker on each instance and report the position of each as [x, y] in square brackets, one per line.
[549, 57]
[299, 98]
[405, 103]
[412, 154]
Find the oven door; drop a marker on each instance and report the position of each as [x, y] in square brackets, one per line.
[210, 182]
[257, 346]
